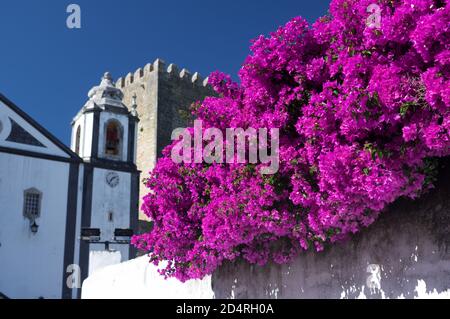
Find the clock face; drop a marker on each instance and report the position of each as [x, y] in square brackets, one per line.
[112, 179]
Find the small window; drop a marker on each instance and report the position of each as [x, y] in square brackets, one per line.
[32, 203]
[77, 140]
[113, 138]
[110, 216]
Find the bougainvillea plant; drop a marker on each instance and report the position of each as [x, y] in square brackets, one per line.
[362, 111]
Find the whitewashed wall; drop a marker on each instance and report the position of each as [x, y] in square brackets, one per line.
[404, 254]
[86, 123]
[31, 264]
[108, 199]
[78, 226]
[139, 279]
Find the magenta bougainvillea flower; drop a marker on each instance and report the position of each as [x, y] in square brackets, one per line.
[363, 112]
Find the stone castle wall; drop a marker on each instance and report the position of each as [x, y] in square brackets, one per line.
[164, 95]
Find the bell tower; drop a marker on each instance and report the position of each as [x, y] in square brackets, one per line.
[104, 136]
[105, 130]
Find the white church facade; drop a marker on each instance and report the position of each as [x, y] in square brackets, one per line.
[60, 204]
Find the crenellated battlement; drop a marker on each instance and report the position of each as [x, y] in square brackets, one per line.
[159, 65]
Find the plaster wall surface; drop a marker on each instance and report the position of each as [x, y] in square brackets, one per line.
[31, 265]
[404, 254]
[111, 209]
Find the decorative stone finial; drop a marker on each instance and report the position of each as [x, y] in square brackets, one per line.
[107, 76]
[107, 80]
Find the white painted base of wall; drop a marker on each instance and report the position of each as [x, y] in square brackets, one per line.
[102, 258]
[138, 279]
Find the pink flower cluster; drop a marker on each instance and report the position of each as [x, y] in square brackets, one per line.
[363, 112]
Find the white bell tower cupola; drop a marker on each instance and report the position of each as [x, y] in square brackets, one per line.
[104, 129]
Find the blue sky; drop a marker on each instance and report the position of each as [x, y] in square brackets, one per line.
[47, 69]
